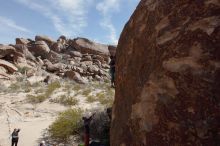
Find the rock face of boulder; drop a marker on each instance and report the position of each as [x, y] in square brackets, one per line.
[40, 48]
[21, 41]
[75, 76]
[86, 46]
[24, 50]
[46, 39]
[6, 50]
[168, 75]
[7, 65]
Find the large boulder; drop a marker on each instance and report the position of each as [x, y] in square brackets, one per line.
[75, 76]
[9, 66]
[86, 46]
[53, 56]
[3, 73]
[46, 39]
[24, 50]
[22, 41]
[86, 58]
[75, 54]
[98, 57]
[6, 50]
[57, 47]
[39, 48]
[50, 66]
[168, 75]
[62, 39]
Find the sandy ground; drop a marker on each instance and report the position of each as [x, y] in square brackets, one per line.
[31, 119]
[15, 112]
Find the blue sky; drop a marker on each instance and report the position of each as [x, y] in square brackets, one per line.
[98, 20]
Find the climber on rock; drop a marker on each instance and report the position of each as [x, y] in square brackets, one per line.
[87, 122]
[112, 70]
[15, 137]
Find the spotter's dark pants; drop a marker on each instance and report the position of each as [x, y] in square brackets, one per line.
[14, 142]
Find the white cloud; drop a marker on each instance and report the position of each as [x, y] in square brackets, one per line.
[67, 16]
[106, 8]
[8, 23]
[106, 23]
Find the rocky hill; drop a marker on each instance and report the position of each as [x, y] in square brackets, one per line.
[78, 59]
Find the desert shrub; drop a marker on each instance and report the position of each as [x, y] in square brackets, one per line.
[91, 98]
[27, 90]
[68, 123]
[77, 87]
[36, 98]
[37, 84]
[52, 87]
[15, 87]
[39, 90]
[22, 70]
[3, 88]
[105, 99]
[65, 100]
[86, 91]
[43, 96]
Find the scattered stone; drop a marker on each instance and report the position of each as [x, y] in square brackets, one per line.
[74, 76]
[9, 66]
[75, 54]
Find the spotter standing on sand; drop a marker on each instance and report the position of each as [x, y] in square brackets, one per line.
[15, 137]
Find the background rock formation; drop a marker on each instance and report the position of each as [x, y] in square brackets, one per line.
[168, 75]
[78, 59]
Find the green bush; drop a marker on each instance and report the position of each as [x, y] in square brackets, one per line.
[22, 70]
[77, 87]
[14, 87]
[86, 91]
[43, 96]
[66, 100]
[36, 99]
[91, 98]
[105, 99]
[68, 123]
[52, 87]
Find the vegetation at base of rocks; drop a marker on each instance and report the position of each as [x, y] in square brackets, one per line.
[77, 87]
[36, 98]
[52, 87]
[23, 70]
[14, 87]
[3, 88]
[68, 123]
[27, 90]
[43, 94]
[86, 91]
[66, 100]
[103, 97]
[36, 85]
[91, 98]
